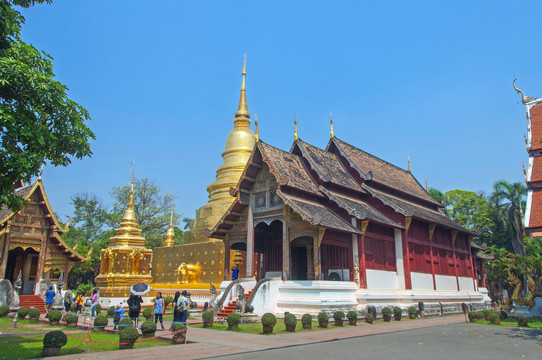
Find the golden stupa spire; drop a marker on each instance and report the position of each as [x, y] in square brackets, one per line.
[170, 233]
[408, 163]
[131, 200]
[426, 186]
[242, 116]
[295, 128]
[257, 134]
[332, 135]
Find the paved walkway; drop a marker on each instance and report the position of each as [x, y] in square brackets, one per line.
[205, 343]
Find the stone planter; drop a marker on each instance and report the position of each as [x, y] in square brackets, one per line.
[387, 318]
[179, 339]
[397, 317]
[352, 322]
[126, 346]
[369, 321]
[147, 335]
[290, 328]
[307, 326]
[412, 316]
[267, 329]
[207, 324]
[233, 327]
[339, 322]
[322, 324]
[51, 351]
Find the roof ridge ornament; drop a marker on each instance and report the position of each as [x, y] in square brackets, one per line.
[257, 134]
[524, 99]
[295, 128]
[426, 187]
[409, 163]
[332, 135]
[524, 171]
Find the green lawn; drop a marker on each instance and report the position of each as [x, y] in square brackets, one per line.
[533, 323]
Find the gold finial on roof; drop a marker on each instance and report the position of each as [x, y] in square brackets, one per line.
[131, 200]
[408, 163]
[332, 135]
[170, 233]
[41, 172]
[525, 138]
[257, 135]
[295, 128]
[524, 99]
[242, 115]
[426, 186]
[524, 171]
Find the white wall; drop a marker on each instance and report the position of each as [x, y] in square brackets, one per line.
[466, 283]
[421, 281]
[379, 279]
[446, 282]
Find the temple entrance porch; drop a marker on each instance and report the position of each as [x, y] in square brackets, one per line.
[25, 261]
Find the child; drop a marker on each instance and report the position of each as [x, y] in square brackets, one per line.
[117, 316]
[79, 303]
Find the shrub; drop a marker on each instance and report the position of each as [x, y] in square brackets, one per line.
[323, 317]
[386, 311]
[352, 315]
[101, 320]
[125, 323]
[148, 327]
[207, 316]
[269, 319]
[494, 318]
[177, 327]
[522, 320]
[290, 320]
[33, 313]
[369, 316]
[412, 310]
[474, 315]
[55, 315]
[233, 319]
[147, 312]
[338, 315]
[4, 310]
[306, 319]
[486, 313]
[54, 339]
[397, 311]
[128, 335]
[71, 318]
[98, 309]
[22, 312]
[168, 299]
[111, 311]
[84, 288]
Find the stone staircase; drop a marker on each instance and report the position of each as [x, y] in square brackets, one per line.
[32, 301]
[231, 307]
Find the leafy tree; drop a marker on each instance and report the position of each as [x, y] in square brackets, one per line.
[436, 194]
[38, 122]
[178, 235]
[508, 198]
[152, 209]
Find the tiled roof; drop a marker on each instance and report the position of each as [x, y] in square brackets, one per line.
[360, 209]
[536, 126]
[288, 168]
[23, 192]
[536, 172]
[327, 166]
[535, 218]
[379, 171]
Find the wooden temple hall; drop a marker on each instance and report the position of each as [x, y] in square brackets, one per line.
[30, 242]
[343, 214]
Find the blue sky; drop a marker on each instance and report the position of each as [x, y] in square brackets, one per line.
[161, 81]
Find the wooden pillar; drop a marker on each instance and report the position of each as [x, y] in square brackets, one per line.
[41, 257]
[5, 251]
[362, 261]
[406, 254]
[355, 256]
[482, 275]
[250, 244]
[227, 257]
[285, 245]
[454, 235]
[473, 265]
[431, 232]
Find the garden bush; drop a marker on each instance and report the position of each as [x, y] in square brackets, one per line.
[412, 310]
[494, 318]
[100, 321]
[473, 316]
[397, 311]
[55, 315]
[369, 317]
[352, 315]
[386, 311]
[148, 327]
[177, 327]
[4, 310]
[290, 320]
[323, 317]
[111, 311]
[22, 312]
[269, 319]
[233, 319]
[128, 335]
[486, 313]
[147, 312]
[125, 323]
[33, 313]
[207, 316]
[71, 318]
[98, 309]
[55, 339]
[338, 315]
[306, 319]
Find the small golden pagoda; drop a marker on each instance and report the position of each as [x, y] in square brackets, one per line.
[239, 145]
[169, 239]
[126, 261]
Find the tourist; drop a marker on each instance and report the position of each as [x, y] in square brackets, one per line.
[159, 309]
[134, 307]
[68, 299]
[118, 313]
[182, 307]
[234, 272]
[175, 311]
[93, 303]
[79, 303]
[49, 300]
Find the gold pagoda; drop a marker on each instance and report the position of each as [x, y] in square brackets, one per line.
[125, 261]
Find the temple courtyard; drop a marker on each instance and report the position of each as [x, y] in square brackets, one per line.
[446, 337]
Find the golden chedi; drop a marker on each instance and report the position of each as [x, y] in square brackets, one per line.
[169, 239]
[239, 145]
[125, 261]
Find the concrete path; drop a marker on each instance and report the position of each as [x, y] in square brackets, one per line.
[205, 343]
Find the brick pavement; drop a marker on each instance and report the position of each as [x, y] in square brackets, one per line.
[206, 343]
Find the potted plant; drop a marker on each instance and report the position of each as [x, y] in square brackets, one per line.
[168, 299]
[207, 317]
[34, 314]
[52, 342]
[352, 317]
[397, 313]
[290, 321]
[323, 318]
[71, 319]
[306, 321]
[147, 313]
[412, 311]
[4, 310]
[268, 321]
[111, 311]
[233, 320]
[148, 328]
[54, 317]
[369, 318]
[125, 323]
[386, 314]
[179, 336]
[473, 316]
[128, 337]
[494, 318]
[100, 322]
[522, 320]
[338, 316]
[22, 312]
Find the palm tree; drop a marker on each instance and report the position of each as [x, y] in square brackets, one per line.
[509, 199]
